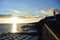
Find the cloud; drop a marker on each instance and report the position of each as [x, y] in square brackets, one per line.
[15, 11]
[29, 15]
[37, 11]
[46, 11]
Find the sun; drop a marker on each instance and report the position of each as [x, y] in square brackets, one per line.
[14, 19]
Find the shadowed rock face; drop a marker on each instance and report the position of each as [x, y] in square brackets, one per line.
[55, 24]
[39, 27]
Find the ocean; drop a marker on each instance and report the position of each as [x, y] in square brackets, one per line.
[9, 32]
[4, 28]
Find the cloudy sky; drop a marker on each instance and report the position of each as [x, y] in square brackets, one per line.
[24, 7]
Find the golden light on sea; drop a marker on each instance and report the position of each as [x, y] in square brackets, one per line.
[14, 28]
[14, 21]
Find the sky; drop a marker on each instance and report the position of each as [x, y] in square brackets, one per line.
[27, 7]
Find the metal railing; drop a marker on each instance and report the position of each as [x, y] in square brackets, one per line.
[51, 32]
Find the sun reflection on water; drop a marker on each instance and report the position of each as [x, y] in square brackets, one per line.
[14, 21]
[14, 28]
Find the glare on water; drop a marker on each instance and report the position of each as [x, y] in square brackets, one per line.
[14, 28]
[14, 24]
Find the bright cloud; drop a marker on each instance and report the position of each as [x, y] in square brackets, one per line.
[47, 11]
[15, 11]
[29, 15]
